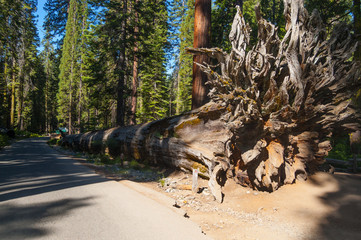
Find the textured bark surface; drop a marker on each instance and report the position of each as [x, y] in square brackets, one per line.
[202, 27]
[273, 107]
[134, 94]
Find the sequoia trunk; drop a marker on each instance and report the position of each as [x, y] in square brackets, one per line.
[202, 27]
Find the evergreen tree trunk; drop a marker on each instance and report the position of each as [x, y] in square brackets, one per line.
[5, 94]
[135, 71]
[21, 104]
[121, 65]
[178, 100]
[47, 120]
[202, 28]
[13, 83]
[49, 85]
[21, 87]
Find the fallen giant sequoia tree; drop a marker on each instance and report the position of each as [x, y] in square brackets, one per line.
[272, 108]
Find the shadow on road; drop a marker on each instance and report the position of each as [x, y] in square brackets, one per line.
[26, 221]
[343, 221]
[30, 167]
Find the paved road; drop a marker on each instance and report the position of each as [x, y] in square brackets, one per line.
[44, 195]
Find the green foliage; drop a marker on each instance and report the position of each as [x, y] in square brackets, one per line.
[19, 64]
[153, 102]
[107, 45]
[69, 76]
[223, 13]
[273, 11]
[222, 17]
[182, 29]
[134, 165]
[74, 70]
[119, 160]
[99, 80]
[4, 140]
[331, 11]
[53, 141]
[56, 18]
[184, 79]
[162, 181]
[26, 134]
[76, 80]
[99, 159]
[340, 148]
[49, 62]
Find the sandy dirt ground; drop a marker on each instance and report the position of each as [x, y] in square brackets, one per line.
[324, 207]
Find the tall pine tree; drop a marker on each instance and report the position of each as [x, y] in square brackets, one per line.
[18, 61]
[69, 67]
[153, 82]
[185, 62]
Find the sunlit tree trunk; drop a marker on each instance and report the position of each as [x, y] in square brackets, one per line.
[202, 28]
[4, 93]
[13, 83]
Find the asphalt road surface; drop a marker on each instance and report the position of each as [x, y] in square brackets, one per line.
[46, 195]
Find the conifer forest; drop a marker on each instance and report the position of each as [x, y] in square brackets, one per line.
[116, 62]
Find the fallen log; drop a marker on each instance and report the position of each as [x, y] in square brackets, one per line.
[195, 140]
[273, 107]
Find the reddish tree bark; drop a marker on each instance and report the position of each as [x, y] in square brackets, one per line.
[135, 72]
[202, 29]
